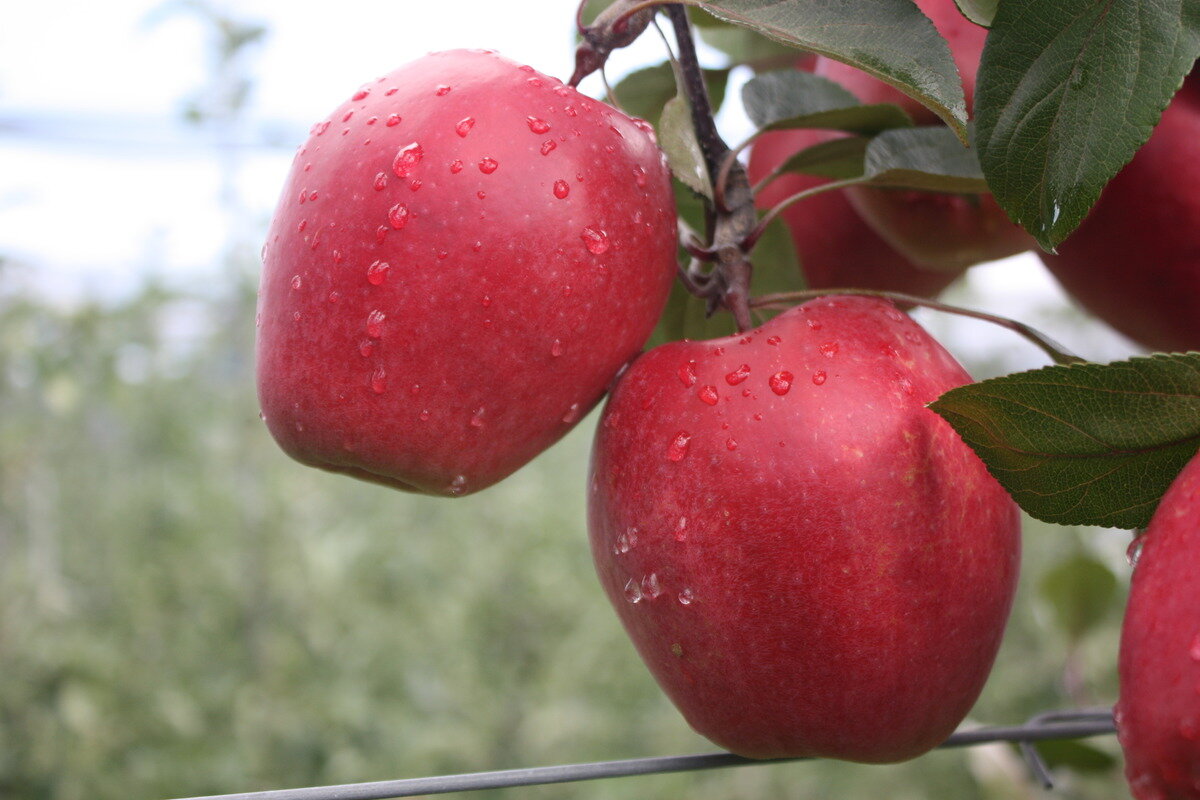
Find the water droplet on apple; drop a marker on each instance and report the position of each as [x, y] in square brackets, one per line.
[595, 241]
[424, 415]
[346, 117]
[738, 375]
[488, 165]
[709, 395]
[377, 272]
[626, 541]
[556, 349]
[731, 445]
[1134, 551]
[393, 120]
[360, 94]
[398, 215]
[819, 377]
[633, 591]
[685, 597]
[906, 386]
[365, 347]
[379, 381]
[651, 587]
[406, 159]
[464, 126]
[548, 146]
[296, 282]
[380, 182]
[814, 325]
[572, 414]
[639, 177]
[773, 340]
[681, 529]
[320, 127]
[561, 189]
[458, 485]
[828, 349]
[678, 448]
[443, 90]
[537, 125]
[477, 418]
[375, 323]
[780, 383]
[335, 296]
[456, 166]
[687, 374]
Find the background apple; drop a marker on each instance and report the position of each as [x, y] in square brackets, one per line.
[465, 253]
[1158, 714]
[782, 617]
[934, 230]
[1135, 260]
[835, 246]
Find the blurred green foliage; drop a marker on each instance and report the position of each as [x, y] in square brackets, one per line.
[183, 610]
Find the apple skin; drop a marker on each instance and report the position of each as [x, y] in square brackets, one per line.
[1134, 262]
[937, 231]
[813, 566]
[837, 249]
[465, 253]
[1158, 711]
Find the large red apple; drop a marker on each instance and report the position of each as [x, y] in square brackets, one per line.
[934, 230]
[836, 248]
[1158, 714]
[809, 560]
[465, 253]
[1135, 260]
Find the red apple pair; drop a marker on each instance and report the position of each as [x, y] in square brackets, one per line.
[809, 560]
[465, 253]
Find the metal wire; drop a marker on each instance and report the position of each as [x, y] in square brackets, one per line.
[1053, 725]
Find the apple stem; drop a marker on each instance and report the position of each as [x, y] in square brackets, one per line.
[1056, 352]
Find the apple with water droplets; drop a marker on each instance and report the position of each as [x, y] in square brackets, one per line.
[465, 253]
[807, 558]
[1158, 711]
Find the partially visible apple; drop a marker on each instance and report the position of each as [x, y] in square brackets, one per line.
[1135, 260]
[933, 230]
[1158, 713]
[465, 253]
[809, 560]
[836, 248]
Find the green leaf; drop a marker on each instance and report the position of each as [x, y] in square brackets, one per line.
[981, 12]
[742, 45]
[1084, 444]
[677, 138]
[929, 157]
[1068, 92]
[796, 99]
[890, 39]
[1080, 590]
[645, 92]
[837, 159]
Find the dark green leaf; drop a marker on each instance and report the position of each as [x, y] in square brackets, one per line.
[1068, 92]
[1080, 590]
[645, 92]
[796, 99]
[929, 157]
[1076, 755]
[838, 158]
[981, 12]
[890, 39]
[1084, 444]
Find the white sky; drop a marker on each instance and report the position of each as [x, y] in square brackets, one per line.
[111, 187]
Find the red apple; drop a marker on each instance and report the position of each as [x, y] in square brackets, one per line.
[836, 248]
[1158, 713]
[934, 230]
[1135, 260]
[465, 253]
[809, 560]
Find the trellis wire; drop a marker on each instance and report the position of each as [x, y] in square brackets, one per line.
[1075, 724]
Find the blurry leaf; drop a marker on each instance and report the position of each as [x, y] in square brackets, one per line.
[741, 45]
[1080, 590]
[890, 39]
[1076, 755]
[1084, 444]
[645, 92]
[929, 157]
[980, 12]
[795, 99]
[838, 158]
[1068, 92]
[677, 137]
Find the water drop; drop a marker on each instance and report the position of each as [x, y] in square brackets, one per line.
[709, 395]
[380, 182]
[392, 91]
[488, 165]
[486, 302]
[678, 448]
[626, 541]
[773, 341]
[424, 415]
[415, 389]
[375, 323]
[731, 445]
[443, 90]
[556, 349]
[372, 120]
[335, 296]
[651, 587]
[464, 126]
[537, 125]
[685, 597]
[360, 94]
[347, 116]
[320, 127]
[818, 377]
[780, 383]
[393, 120]
[477, 418]
[639, 176]
[379, 381]
[296, 282]
[295, 316]
[718, 351]
[458, 485]
[828, 349]
[381, 233]
[814, 325]
[547, 146]
[534, 82]
[572, 414]
[456, 166]
[738, 375]
[365, 347]
[633, 591]
[1134, 551]
[406, 160]
[481, 194]
[595, 241]
[687, 374]
[301, 226]
[906, 386]
[561, 189]
[377, 272]
[681, 529]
